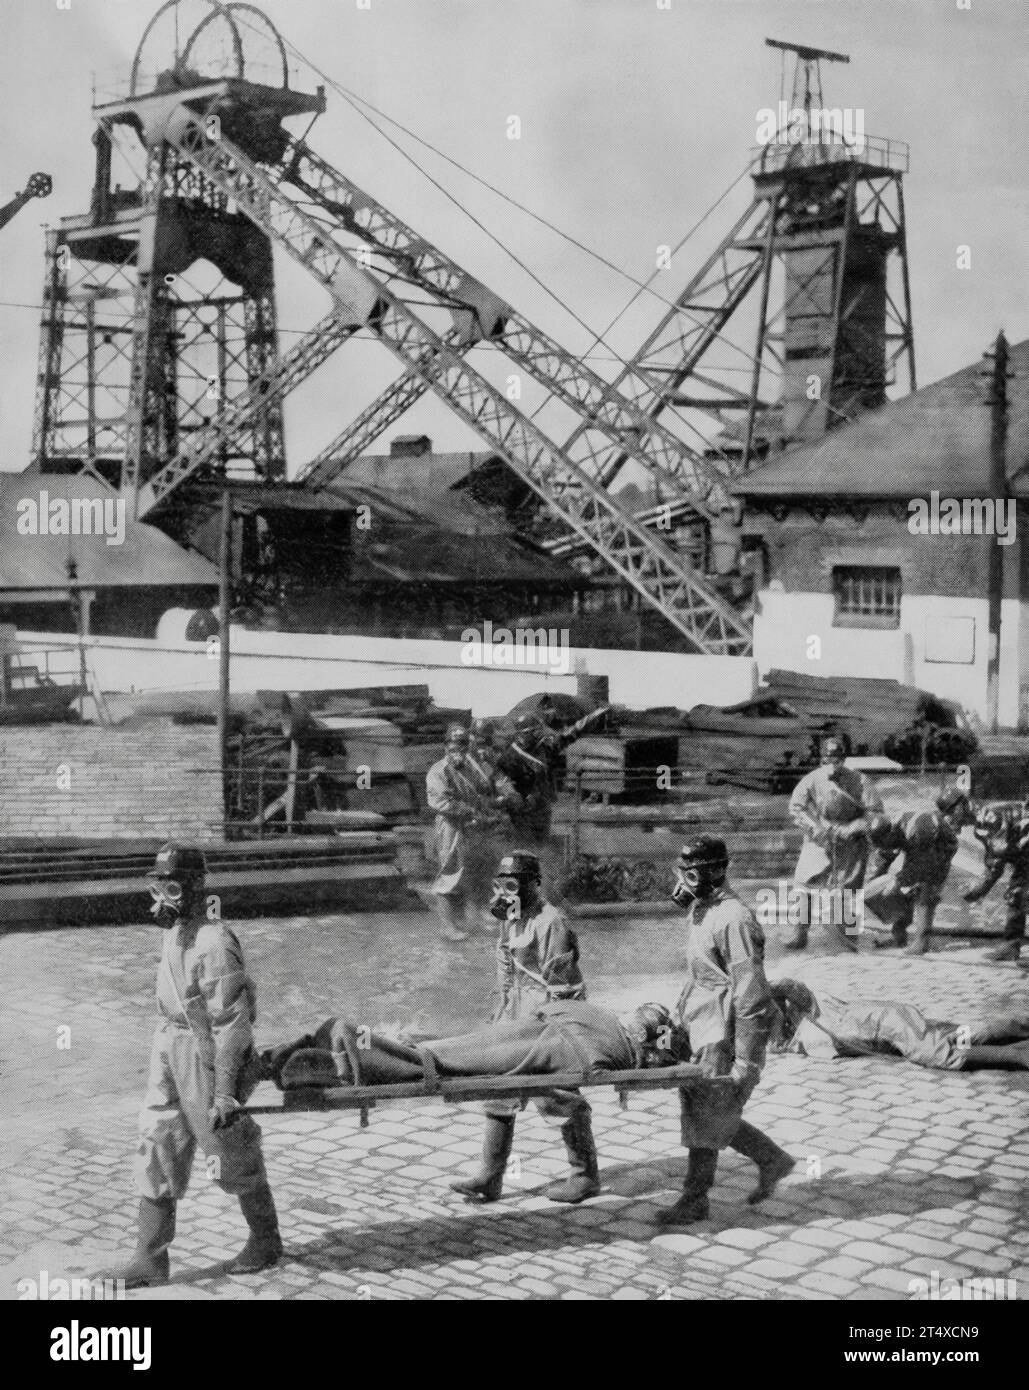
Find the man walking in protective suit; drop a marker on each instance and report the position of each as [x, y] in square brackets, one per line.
[726, 1007]
[495, 836]
[202, 1068]
[464, 817]
[830, 806]
[537, 963]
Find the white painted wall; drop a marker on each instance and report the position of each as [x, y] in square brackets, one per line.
[297, 661]
[785, 621]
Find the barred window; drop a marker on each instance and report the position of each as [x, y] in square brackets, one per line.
[866, 596]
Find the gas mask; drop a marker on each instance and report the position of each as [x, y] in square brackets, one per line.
[691, 885]
[168, 895]
[506, 904]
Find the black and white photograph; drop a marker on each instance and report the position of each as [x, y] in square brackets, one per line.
[514, 664]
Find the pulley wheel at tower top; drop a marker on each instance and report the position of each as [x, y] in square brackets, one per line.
[188, 42]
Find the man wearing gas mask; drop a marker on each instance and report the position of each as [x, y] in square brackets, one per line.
[202, 1068]
[537, 963]
[465, 814]
[831, 805]
[727, 1008]
[486, 847]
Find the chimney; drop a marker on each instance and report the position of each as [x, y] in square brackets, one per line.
[410, 446]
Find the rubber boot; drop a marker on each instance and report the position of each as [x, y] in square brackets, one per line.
[584, 1179]
[150, 1265]
[693, 1204]
[450, 919]
[922, 923]
[773, 1163]
[496, 1150]
[1009, 1057]
[264, 1245]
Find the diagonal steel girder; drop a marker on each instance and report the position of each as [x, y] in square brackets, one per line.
[637, 555]
[695, 321]
[306, 355]
[612, 425]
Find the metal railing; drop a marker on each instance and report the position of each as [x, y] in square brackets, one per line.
[877, 151]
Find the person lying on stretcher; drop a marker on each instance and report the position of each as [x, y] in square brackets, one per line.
[565, 1035]
[828, 1027]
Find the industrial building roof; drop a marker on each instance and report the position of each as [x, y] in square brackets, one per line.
[431, 529]
[935, 438]
[424, 472]
[145, 556]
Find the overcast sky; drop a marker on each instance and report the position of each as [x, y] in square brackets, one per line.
[634, 120]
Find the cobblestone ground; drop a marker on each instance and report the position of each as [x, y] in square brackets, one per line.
[902, 1173]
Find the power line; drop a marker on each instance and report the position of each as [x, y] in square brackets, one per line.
[357, 102]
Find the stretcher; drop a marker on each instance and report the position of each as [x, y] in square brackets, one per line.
[460, 1090]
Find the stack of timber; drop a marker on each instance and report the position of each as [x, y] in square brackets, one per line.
[772, 739]
[83, 883]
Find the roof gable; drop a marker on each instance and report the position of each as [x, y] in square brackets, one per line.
[935, 438]
[145, 557]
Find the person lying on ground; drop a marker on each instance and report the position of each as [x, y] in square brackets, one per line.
[827, 1027]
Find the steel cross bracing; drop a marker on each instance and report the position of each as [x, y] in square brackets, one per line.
[637, 555]
[654, 376]
[306, 355]
[613, 427]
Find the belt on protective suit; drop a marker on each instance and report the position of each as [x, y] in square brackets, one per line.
[182, 1024]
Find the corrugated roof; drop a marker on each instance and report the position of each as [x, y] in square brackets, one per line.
[936, 438]
[146, 557]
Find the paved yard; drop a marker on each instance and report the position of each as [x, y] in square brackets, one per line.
[902, 1172]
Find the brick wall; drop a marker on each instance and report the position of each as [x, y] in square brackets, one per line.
[802, 552]
[77, 781]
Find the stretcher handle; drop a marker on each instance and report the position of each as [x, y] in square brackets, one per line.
[463, 1089]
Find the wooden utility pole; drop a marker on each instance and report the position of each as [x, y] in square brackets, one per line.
[224, 566]
[998, 402]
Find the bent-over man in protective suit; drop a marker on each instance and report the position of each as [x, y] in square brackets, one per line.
[202, 1067]
[727, 1009]
[911, 859]
[1004, 836]
[496, 836]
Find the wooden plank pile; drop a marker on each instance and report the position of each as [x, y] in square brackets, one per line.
[770, 740]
